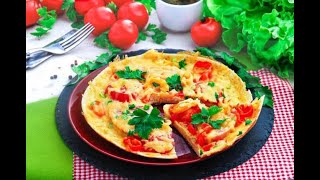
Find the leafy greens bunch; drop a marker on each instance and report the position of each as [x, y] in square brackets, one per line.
[263, 28]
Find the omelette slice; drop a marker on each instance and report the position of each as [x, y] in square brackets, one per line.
[213, 129]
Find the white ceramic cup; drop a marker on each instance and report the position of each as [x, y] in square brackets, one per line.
[178, 18]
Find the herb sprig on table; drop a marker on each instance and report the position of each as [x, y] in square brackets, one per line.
[48, 19]
[73, 16]
[155, 33]
[85, 68]
[252, 82]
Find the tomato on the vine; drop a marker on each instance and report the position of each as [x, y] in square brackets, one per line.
[118, 3]
[206, 32]
[83, 6]
[123, 33]
[136, 12]
[101, 18]
[32, 15]
[53, 5]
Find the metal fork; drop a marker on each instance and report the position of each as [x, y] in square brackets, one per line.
[66, 44]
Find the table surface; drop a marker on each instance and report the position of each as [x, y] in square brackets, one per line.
[38, 83]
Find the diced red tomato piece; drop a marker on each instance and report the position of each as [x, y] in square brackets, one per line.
[206, 127]
[191, 129]
[243, 112]
[97, 108]
[133, 143]
[122, 97]
[180, 94]
[185, 116]
[207, 147]
[201, 140]
[202, 64]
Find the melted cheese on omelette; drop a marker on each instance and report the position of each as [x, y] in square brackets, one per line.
[107, 100]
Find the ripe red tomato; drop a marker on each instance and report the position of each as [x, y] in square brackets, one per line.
[32, 15]
[83, 6]
[119, 3]
[101, 18]
[136, 12]
[53, 5]
[206, 33]
[123, 33]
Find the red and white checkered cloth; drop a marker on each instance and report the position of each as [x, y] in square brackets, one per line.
[274, 161]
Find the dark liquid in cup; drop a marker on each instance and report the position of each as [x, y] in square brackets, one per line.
[180, 2]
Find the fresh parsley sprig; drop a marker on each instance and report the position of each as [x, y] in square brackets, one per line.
[174, 82]
[144, 123]
[205, 115]
[129, 74]
[46, 22]
[85, 68]
[252, 82]
[155, 33]
[113, 7]
[103, 42]
[182, 64]
[72, 14]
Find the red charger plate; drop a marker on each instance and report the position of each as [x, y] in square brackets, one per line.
[186, 155]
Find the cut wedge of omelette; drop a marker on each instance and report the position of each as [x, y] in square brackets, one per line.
[203, 99]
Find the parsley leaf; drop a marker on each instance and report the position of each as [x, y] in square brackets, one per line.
[113, 7]
[129, 74]
[46, 22]
[239, 133]
[103, 42]
[131, 106]
[251, 81]
[248, 121]
[205, 115]
[141, 37]
[66, 4]
[130, 133]
[78, 24]
[157, 36]
[182, 64]
[216, 95]
[85, 68]
[174, 82]
[211, 84]
[146, 107]
[144, 122]
[201, 152]
[258, 92]
[216, 124]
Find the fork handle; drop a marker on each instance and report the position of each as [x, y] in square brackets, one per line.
[31, 51]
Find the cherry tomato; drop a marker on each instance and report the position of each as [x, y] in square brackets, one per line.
[191, 129]
[123, 34]
[118, 3]
[206, 32]
[97, 108]
[101, 18]
[32, 15]
[119, 96]
[133, 143]
[83, 6]
[53, 5]
[136, 12]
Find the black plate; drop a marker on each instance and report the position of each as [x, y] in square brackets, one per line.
[241, 152]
